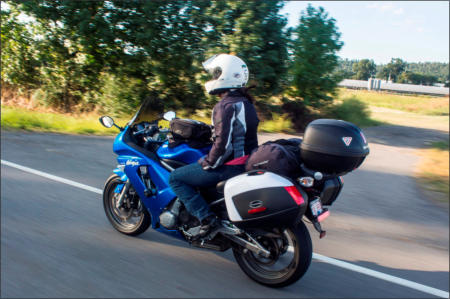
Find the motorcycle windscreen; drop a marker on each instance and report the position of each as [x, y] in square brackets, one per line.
[150, 109]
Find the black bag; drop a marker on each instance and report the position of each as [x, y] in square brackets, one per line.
[195, 133]
[281, 156]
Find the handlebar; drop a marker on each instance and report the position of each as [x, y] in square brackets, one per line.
[147, 131]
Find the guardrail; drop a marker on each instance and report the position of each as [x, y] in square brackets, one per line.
[377, 84]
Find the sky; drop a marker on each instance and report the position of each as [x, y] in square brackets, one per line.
[415, 31]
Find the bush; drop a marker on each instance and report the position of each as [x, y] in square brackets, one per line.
[278, 123]
[353, 110]
[299, 114]
[120, 95]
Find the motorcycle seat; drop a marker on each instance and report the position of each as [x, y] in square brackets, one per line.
[173, 163]
[220, 186]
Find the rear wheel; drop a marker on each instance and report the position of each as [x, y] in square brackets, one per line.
[291, 253]
[131, 217]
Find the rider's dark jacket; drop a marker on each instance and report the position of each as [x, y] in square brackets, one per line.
[235, 126]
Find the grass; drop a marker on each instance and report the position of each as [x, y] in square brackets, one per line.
[20, 118]
[25, 119]
[433, 170]
[361, 107]
[352, 109]
[410, 119]
[425, 105]
[279, 123]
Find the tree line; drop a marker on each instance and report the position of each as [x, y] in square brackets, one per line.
[111, 55]
[397, 70]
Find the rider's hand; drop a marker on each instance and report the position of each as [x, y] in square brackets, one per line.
[205, 165]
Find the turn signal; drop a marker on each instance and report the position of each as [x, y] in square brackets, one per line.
[306, 181]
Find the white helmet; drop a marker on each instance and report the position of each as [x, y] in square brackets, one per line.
[228, 71]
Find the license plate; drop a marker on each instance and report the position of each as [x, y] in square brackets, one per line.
[316, 207]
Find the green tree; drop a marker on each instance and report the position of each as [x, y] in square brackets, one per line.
[83, 51]
[254, 31]
[151, 43]
[437, 69]
[315, 58]
[345, 68]
[393, 69]
[364, 69]
[415, 78]
[19, 66]
[67, 39]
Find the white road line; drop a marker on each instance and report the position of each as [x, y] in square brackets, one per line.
[381, 275]
[53, 177]
[322, 258]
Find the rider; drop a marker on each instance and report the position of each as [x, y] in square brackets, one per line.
[234, 122]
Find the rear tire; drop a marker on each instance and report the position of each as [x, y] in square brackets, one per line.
[300, 246]
[113, 214]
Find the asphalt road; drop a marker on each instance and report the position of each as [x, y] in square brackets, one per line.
[57, 242]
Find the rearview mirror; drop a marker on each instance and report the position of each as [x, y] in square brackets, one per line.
[169, 115]
[106, 121]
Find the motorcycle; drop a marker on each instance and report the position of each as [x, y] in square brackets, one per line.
[261, 213]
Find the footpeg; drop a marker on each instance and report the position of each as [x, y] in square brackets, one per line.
[225, 228]
[192, 232]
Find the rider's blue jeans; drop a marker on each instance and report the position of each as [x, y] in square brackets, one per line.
[183, 181]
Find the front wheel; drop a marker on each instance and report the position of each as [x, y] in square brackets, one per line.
[130, 218]
[291, 254]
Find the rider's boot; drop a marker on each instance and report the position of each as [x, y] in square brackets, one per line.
[207, 225]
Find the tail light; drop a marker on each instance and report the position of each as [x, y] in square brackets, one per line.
[295, 194]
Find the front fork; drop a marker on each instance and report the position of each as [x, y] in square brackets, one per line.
[123, 189]
[122, 194]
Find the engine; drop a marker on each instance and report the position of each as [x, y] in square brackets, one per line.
[169, 218]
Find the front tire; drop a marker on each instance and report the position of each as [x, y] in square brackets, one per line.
[297, 253]
[132, 220]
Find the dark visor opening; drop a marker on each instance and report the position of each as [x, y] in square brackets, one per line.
[217, 71]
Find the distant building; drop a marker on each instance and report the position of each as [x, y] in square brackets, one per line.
[382, 85]
[439, 84]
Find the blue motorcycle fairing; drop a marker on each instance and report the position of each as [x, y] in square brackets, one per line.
[119, 146]
[121, 174]
[132, 159]
[181, 153]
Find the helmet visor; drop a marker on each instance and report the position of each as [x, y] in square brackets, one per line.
[214, 71]
[208, 62]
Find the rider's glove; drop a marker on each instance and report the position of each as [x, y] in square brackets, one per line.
[204, 163]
